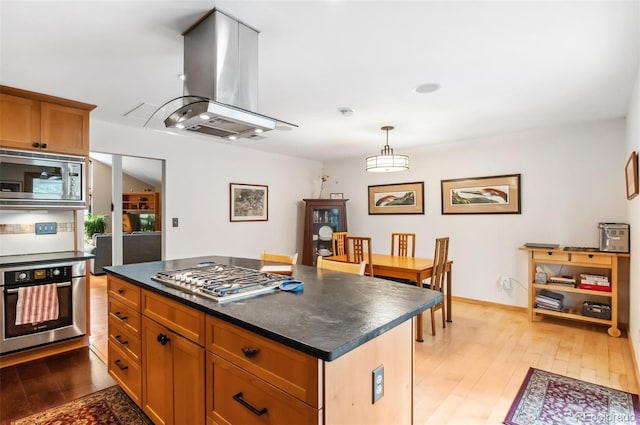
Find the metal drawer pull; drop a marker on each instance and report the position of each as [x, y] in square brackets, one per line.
[117, 314]
[250, 352]
[119, 339]
[117, 362]
[120, 291]
[163, 339]
[59, 285]
[238, 398]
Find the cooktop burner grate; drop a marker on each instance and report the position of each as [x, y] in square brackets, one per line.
[221, 282]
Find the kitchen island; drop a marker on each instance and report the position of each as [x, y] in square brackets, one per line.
[279, 357]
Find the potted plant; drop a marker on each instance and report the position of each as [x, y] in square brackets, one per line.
[95, 223]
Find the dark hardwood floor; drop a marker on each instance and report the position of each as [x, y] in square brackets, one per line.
[40, 384]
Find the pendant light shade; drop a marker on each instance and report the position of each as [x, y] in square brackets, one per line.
[387, 161]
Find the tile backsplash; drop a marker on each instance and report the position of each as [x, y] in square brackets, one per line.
[18, 234]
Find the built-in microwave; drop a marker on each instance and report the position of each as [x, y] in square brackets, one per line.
[36, 179]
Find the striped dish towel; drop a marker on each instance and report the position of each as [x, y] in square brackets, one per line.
[37, 304]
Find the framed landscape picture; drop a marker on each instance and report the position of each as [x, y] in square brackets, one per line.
[482, 195]
[401, 198]
[248, 202]
[631, 175]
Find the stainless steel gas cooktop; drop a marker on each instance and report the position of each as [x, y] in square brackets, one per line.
[221, 282]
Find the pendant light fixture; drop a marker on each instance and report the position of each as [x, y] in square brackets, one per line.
[387, 161]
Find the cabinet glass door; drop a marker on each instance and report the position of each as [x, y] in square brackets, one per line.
[325, 222]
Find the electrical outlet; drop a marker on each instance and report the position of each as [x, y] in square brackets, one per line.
[50, 228]
[377, 383]
[505, 282]
[175, 221]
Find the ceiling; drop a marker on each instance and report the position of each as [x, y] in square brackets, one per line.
[502, 66]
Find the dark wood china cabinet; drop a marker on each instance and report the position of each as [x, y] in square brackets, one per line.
[322, 217]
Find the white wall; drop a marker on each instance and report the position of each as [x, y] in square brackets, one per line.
[633, 212]
[198, 173]
[572, 178]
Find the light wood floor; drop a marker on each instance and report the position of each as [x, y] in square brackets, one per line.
[470, 372]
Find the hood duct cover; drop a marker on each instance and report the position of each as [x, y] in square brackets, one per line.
[221, 80]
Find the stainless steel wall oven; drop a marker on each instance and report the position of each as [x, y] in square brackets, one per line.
[69, 279]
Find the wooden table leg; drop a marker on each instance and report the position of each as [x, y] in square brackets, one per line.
[419, 337]
[449, 295]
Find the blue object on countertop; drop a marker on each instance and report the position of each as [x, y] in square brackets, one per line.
[292, 286]
[206, 263]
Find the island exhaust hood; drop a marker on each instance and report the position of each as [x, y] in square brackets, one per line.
[221, 80]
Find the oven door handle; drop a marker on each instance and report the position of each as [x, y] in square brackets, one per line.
[59, 285]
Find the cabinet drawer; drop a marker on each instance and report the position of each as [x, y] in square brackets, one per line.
[125, 372]
[124, 339]
[551, 256]
[125, 292]
[181, 319]
[127, 317]
[288, 369]
[239, 398]
[596, 260]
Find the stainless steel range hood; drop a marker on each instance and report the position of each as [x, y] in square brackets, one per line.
[221, 80]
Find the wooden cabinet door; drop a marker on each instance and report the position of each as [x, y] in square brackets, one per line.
[65, 129]
[188, 381]
[19, 122]
[157, 372]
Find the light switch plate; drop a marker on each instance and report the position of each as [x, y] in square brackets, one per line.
[377, 383]
[50, 228]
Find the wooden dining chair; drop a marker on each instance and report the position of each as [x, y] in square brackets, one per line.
[337, 242]
[403, 244]
[341, 266]
[437, 282]
[357, 249]
[279, 258]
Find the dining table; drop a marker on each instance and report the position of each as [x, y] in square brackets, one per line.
[410, 268]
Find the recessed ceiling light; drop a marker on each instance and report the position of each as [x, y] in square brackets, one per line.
[258, 130]
[232, 137]
[427, 88]
[345, 111]
[204, 116]
[180, 126]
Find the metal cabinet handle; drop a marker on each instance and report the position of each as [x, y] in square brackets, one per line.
[120, 291]
[36, 144]
[119, 339]
[590, 255]
[118, 315]
[163, 339]
[43, 145]
[118, 363]
[260, 412]
[250, 352]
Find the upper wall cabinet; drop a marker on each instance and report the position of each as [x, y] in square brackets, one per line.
[34, 121]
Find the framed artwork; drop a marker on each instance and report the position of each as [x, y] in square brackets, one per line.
[631, 175]
[335, 196]
[248, 202]
[400, 198]
[10, 186]
[482, 195]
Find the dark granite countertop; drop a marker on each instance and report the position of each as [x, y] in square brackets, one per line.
[334, 314]
[47, 257]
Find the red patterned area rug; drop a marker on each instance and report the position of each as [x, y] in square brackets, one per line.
[107, 407]
[546, 398]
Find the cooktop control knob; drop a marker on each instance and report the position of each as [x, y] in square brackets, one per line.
[22, 276]
[56, 272]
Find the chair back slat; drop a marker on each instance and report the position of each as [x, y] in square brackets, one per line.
[279, 258]
[403, 244]
[358, 249]
[337, 242]
[341, 266]
[440, 258]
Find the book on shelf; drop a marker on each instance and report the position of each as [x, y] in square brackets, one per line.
[603, 288]
[545, 293]
[594, 279]
[562, 279]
